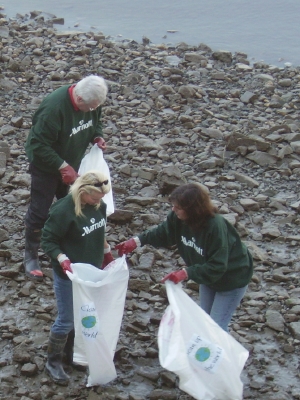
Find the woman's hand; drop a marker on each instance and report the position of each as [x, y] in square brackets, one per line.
[65, 263]
[108, 257]
[126, 247]
[176, 276]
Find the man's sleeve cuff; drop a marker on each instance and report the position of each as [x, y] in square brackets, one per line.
[137, 241]
[63, 165]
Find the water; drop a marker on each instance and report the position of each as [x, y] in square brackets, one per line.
[267, 30]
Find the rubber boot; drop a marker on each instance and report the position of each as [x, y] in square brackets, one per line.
[68, 350]
[54, 366]
[31, 258]
[68, 353]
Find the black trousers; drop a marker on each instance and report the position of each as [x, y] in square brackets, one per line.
[44, 187]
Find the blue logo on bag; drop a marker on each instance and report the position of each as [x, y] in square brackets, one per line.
[89, 322]
[202, 354]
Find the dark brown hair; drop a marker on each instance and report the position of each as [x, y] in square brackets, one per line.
[195, 201]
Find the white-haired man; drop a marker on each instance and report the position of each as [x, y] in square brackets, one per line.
[64, 125]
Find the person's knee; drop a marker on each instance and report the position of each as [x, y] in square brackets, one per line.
[224, 325]
[62, 328]
[35, 220]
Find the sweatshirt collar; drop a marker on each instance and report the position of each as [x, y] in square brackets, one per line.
[71, 93]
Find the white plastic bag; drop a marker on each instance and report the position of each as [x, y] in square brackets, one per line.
[207, 359]
[95, 160]
[98, 303]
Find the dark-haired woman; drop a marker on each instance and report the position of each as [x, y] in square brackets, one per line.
[215, 256]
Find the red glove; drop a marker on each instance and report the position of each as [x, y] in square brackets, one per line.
[65, 263]
[68, 175]
[126, 247]
[108, 258]
[176, 276]
[100, 143]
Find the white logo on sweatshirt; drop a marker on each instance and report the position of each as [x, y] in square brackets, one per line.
[81, 127]
[191, 243]
[94, 225]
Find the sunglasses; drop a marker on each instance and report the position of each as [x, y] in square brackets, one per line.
[99, 184]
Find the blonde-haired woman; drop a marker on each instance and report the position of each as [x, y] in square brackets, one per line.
[73, 233]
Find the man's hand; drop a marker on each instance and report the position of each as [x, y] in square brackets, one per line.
[100, 143]
[176, 276]
[68, 175]
[126, 247]
[108, 258]
[65, 263]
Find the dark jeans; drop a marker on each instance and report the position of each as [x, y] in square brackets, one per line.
[44, 187]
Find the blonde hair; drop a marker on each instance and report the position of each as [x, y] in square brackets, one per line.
[91, 181]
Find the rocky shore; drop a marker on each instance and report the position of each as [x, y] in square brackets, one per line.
[173, 114]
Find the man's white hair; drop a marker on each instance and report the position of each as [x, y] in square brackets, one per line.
[92, 88]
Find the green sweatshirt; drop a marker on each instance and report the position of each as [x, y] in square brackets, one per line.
[59, 133]
[80, 238]
[215, 256]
